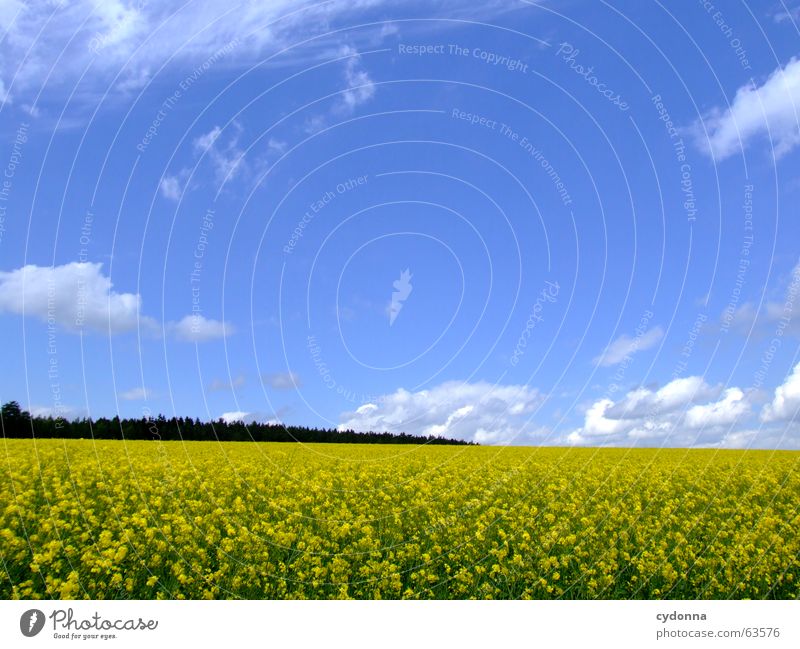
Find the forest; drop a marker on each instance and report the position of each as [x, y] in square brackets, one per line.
[18, 423]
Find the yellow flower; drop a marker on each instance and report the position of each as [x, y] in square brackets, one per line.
[196, 520]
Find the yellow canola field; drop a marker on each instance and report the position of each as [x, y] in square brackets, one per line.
[244, 520]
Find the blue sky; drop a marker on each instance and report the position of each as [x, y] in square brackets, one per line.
[529, 223]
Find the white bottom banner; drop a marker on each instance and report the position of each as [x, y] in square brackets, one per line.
[352, 624]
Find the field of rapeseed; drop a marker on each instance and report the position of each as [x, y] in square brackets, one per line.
[245, 520]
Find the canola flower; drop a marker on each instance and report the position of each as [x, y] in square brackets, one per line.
[85, 519]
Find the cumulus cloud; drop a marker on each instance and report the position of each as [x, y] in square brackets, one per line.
[786, 402]
[136, 394]
[678, 411]
[261, 417]
[727, 410]
[197, 329]
[739, 439]
[78, 297]
[282, 380]
[625, 346]
[61, 411]
[480, 412]
[771, 109]
[233, 417]
[675, 394]
[74, 296]
[768, 437]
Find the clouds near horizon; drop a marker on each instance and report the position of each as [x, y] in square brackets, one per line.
[785, 404]
[479, 412]
[681, 412]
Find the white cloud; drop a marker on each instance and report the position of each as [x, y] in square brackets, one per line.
[78, 297]
[57, 412]
[197, 328]
[675, 394]
[143, 35]
[786, 14]
[481, 412]
[282, 380]
[170, 187]
[206, 141]
[233, 417]
[223, 153]
[772, 110]
[625, 346]
[773, 316]
[33, 111]
[768, 437]
[136, 394]
[360, 87]
[314, 124]
[680, 391]
[739, 439]
[276, 147]
[218, 385]
[678, 412]
[131, 37]
[727, 410]
[9, 10]
[597, 423]
[273, 418]
[75, 296]
[134, 81]
[227, 158]
[786, 402]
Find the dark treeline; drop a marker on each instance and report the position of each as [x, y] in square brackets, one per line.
[18, 423]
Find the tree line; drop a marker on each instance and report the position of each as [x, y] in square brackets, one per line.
[18, 423]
